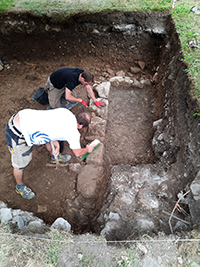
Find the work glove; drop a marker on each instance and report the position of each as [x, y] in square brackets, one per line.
[84, 103]
[99, 104]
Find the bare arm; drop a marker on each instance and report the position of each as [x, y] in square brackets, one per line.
[70, 97]
[82, 151]
[90, 92]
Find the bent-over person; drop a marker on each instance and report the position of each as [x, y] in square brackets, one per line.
[61, 84]
[31, 127]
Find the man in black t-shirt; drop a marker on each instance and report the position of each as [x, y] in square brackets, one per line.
[60, 87]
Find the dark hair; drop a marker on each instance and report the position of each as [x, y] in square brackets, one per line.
[83, 118]
[88, 76]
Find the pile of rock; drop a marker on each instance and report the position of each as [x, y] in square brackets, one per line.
[18, 220]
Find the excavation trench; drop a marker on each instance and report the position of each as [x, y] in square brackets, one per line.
[148, 133]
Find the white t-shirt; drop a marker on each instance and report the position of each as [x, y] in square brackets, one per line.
[42, 126]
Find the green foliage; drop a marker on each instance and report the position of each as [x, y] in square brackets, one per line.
[54, 248]
[193, 264]
[128, 258]
[197, 114]
[5, 5]
[187, 25]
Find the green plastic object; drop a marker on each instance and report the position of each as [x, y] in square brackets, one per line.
[95, 147]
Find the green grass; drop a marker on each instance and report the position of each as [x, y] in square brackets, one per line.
[6, 5]
[31, 252]
[69, 7]
[187, 25]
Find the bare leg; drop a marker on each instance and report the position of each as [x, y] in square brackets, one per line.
[49, 148]
[23, 191]
[18, 174]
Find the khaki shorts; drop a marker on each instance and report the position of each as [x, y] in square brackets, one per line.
[21, 153]
[54, 94]
[57, 96]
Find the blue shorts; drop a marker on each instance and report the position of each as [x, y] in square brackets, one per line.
[21, 153]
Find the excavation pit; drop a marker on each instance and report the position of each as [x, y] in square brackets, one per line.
[150, 150]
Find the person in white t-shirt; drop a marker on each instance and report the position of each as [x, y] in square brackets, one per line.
[42, 127]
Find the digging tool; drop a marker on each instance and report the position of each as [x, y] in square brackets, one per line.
[56, 157]
[59, 165]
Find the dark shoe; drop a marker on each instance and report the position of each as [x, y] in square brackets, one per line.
[66, 103]
[25, 192]
[41, 96]
[61, 158]
[70, 105]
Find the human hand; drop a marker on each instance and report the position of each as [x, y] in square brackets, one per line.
[89, 148]
[83, 103]
[99, 104]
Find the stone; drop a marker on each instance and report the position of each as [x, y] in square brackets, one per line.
[20, 222]
[102, 111]
[145, 82]
[159, 30]
[105, 74]
[195, 189]
[56, 29]
[37, 226]
[110, 72]
[115, 81]
[155, 78]
[97, 127]
[135, 70]
[5, 215]
[95, 31]
[103, 89]
[110, 228]
[141, 64]
[137, 84]
[180, 226]
[157, 124]
[144, 224]
[41, 208]
[120, 73]
[114, 216]
[128, 81]
[2, 205]
[47, 27]
[194, 211]
[142, 248]
[89, 180]
[96, 157]
[101, 78]
[61, 224]
[75, 167]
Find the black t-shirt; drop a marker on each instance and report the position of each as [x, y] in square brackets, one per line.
[66, 77]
